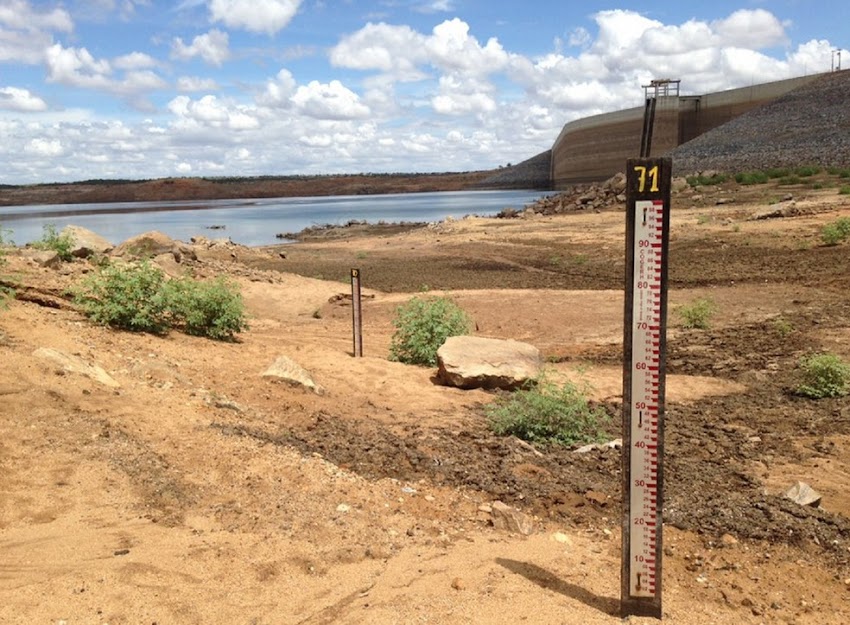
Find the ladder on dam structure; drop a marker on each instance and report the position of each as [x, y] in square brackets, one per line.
[660, 87]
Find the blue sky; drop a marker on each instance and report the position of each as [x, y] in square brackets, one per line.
[149, 89]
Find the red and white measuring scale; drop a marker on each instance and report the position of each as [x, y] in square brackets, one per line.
[647, 232]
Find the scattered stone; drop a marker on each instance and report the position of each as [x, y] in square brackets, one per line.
[600, 499]
[804, 495]
[85, 242]
[510, 519]
[727, 540]
[477, 362]
[721, 201]
[486, 508]
[75, 364]
[343, 507]
[287, 370]
[458, 584]
[560, 537]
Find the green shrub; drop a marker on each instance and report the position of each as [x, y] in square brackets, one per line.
[836, 231]
[59, 243]
[211, 308]
[547, 413]
[140, 298]
[422, 325]
[845, 190]
[778, 172]
[824, 375]
[845, 173]
[705, 181]
[807, 170]
[129, 297]
[754, 177]
[696, 314]
[789, 180]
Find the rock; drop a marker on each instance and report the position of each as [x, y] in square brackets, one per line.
[679, 184]
[42, 258]
[287, 370]
[560, 537]
[151, 244]
[75, 364]
[721, 201]
[476, 362]
[803, 494]
[85, 242]
[727, 540]
[616, 183]
[511, 520]
[343, 508]
[458, 584]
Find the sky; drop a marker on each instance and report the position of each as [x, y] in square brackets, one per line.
[139, 89]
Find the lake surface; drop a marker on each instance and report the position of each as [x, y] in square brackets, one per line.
[253, 221]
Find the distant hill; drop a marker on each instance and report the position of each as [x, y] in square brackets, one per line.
[807, 126]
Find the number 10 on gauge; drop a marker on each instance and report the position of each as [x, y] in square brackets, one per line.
[644, 346]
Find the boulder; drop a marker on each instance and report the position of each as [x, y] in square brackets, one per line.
[477, 362]
[287, 370]
[85, 242]
[75, 364]
[152, 244]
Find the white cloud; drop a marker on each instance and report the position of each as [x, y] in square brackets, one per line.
[329, 101]
[279, 90]
[20, 15]
[396, 50]
[211, 112]
[751, 29]
[260, 16]
[435, 6]
[26, 32]
[193, 83]
[44, 147]
[14, 99]
[135, 60]
[458, 96]
[76, 67]
[213, 47]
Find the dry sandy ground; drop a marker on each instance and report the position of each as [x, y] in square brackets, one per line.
[174, 497]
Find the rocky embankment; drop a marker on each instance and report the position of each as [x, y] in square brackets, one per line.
[808, 126]
[533, 173]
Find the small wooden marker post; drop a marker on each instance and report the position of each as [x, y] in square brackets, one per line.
[356, 313]
[644, 349]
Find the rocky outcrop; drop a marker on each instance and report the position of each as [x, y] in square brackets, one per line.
[85, 242]
[74, 364]
[477, 362]
[152, 244]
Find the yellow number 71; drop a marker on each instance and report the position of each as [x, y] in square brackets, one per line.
[653, 175]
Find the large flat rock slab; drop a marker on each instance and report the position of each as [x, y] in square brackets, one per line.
[477, 362]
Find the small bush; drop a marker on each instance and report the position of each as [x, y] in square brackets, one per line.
[547, 413]
[777, 172]
[845, 190]
[845, 173]
[697, 314]
[705, 181]
[836, 231]
[807, 171]
[422, 326]
[755, 177]
[824, 375]
[789, 180]
[140, 298]
[59, 243]
[211, 308]
[129, 297]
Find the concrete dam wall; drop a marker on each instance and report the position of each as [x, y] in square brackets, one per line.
[595, 148]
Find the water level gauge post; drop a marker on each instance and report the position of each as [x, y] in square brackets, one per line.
[644, 349]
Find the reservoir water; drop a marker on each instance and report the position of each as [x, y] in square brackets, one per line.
[253, 221]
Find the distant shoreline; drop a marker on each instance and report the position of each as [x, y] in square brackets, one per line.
[193, 189]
